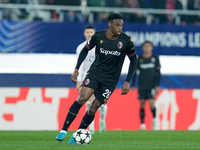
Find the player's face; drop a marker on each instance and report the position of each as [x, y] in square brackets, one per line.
[88, 33]
[116, 26]
[147, 48]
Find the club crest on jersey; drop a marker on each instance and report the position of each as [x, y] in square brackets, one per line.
[153, 59]
[91, 59]
[87, 81]
[120, 45]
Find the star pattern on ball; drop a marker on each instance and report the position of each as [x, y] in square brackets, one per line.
[82, 136]
[82, 141]
[79, 133]
[88, 134]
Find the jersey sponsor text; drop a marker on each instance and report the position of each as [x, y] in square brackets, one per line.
[108, 52]
[146, 66]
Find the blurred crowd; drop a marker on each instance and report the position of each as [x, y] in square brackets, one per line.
[83, 16]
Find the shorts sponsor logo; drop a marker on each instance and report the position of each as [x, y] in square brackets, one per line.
[120, 45]
[87, 81]
[108, 52]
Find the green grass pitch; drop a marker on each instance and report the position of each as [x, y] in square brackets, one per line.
[110, 140]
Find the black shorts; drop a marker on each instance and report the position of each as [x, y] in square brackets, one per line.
[102, 92]
[146, 94]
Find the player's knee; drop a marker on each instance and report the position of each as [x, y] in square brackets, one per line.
[82, 99]
[142, 104]
[103, 109]
[152, 106]
[92, 110]
[142, 107]
[151, 103]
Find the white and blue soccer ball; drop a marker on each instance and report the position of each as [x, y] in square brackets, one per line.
[82, 137]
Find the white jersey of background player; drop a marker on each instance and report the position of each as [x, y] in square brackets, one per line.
[88, 32]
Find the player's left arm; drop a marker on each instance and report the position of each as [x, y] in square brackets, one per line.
[157, 75]
[131, 52]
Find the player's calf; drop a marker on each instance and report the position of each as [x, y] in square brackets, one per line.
[103, 111]
[93, 107]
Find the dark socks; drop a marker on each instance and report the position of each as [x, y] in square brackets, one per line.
[142, 115]
[86, 121]
[73, 111]
[153, 112]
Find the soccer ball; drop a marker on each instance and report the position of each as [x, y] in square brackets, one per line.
[82, 136]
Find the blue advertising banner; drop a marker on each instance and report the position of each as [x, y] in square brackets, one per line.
[41, 37]
[63, 80]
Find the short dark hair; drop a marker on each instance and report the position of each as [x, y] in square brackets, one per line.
[114, 16]
[149, 42]
[89, 27]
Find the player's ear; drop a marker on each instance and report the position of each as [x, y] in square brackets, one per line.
[109, 24]
[84, 33]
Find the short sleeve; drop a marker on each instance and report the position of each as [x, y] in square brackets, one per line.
[130, 49]
[91, 43]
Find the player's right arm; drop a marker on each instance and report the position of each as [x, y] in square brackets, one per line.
[133, 83]
[81, 58]
[80, 76]
[89, 45]
[157, 75]
[135, 76]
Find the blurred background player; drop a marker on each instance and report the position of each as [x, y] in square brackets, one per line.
[88, 32]
[148, 66]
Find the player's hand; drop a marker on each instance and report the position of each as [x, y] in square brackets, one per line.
[74, 75]
[78, 84]
[157, 89]
[125, 88]
[133, 89]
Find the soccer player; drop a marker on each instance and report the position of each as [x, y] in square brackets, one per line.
[88, 32]
[148, 65]
[112, 46]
